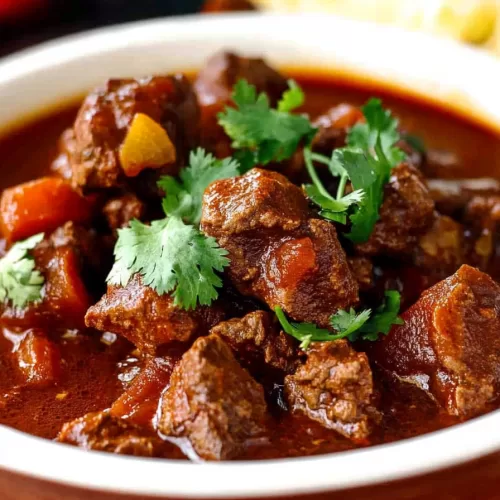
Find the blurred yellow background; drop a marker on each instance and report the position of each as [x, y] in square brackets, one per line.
[471, 21]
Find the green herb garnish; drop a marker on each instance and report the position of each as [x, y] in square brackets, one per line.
[171, 255]
[20, 282]
[347, 324]
[261, 134]
[184, 197]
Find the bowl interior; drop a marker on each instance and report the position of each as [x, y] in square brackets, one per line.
[457, 77]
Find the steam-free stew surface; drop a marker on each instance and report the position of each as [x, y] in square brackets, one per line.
[95, 373]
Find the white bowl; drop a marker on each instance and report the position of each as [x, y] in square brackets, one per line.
[41, 78]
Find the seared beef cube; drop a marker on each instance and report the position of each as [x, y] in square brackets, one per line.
[278, 253]
[255, 339]
[362, 268]
[213, 401]
[407, 211]
[449, 345]
[227, 6]
[147, 319]
[106, 115]
[333, 127]
[452, 195]
[440, 251]
[101, 432]
[335, 388]
[121, 210]
[482, 217]
[38, 359]
[216, 80]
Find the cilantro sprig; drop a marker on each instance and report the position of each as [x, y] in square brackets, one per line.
[366, 162]
[184, 197]
[171, 255]
[347, 324]
[261, 134]
[20, 282]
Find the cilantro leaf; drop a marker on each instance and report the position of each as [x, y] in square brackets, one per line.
[263, 134]
[292, 99]
[347, 324]
[369, 173]
[334, 209]
[184, 197]
[383, 319]
[20, 282]
[171, 257]
[380, 125]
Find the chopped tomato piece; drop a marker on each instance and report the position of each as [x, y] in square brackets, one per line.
[40, 206]
[139, 402]
[38, 359]
[65, 292]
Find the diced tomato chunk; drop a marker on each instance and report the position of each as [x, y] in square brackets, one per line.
[65, 292]
[40, 205]
[139, 402]
[38, 359]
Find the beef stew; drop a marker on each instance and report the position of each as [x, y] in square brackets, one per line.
[235, 265]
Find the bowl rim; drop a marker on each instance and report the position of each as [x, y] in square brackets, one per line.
[99, 471]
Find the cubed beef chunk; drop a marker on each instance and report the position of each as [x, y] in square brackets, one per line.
[335, 388]
[213, 402]
[121, 210]
[278, 253]
[449, 345]
[362, 268]
[228, 5]
[255, 339]
[452, 195]
[106, 115]
[407, 211]
[333, 127]
[38, 359]
[440, 250]
[216, 80]
[482, 219]
[147, 319]
[101, 432]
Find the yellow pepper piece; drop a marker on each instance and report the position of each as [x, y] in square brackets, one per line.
[146, 145]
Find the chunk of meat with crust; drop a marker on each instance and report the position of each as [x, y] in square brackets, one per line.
[452, 195]
[440, 250]
[335, 388]
[482, 218]
[106, 115]
[101, 432]
[213, 401]
[333, 127]
[362, 268]
[407, 211]
[147, 319]
[255, 339]
[121, 210]
[278, 252]
[449, 345]
[216, 80]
